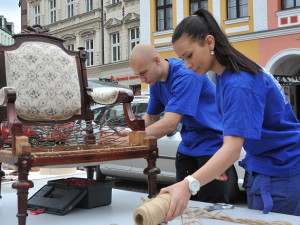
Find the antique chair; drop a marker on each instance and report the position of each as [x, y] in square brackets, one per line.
[44, 85]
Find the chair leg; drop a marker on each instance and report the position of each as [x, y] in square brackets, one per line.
[152, 172]
[22, 185]
[151, 169]
[90, 172]
[2, 174]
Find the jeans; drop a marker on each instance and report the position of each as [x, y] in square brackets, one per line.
[214, 192]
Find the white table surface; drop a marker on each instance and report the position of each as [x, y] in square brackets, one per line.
[120, 212]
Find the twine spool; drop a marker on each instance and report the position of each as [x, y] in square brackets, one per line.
[153, 211]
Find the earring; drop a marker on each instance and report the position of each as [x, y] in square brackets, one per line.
[212, 52]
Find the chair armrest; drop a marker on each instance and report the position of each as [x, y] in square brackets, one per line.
[109, 96]
[5, 92]
[8, 97]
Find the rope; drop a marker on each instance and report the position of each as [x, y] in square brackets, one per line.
[154, 211]
[198, 213]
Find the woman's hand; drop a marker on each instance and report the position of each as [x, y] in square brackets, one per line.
[180, 195]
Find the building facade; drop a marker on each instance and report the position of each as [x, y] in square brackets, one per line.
[266, 31]
[6, 31]
[23, 6]
[108, 35]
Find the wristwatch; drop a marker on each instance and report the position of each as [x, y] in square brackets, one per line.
[194, 184]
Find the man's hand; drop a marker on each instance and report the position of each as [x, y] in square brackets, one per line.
[123, 133]
[222, 177]
[107, 137]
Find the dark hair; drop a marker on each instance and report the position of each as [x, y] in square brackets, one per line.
[201, 24]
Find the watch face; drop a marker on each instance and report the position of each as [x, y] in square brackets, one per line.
[194, 186]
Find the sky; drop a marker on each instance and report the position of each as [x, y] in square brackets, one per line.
[11, 11]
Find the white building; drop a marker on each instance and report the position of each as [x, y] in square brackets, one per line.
[6, 31]
[108, 41]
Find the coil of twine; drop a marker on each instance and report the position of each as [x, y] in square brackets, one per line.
[152, 211]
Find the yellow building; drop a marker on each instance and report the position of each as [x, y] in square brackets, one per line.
[266, 31]
[160, 17]
[236, 17]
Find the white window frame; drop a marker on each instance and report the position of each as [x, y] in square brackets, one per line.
[70, 8]
[114, 1]
[88, 5]
[89, 47]
[115, 46]
[52, 11]
[135, 40]
[70, 47]
[37, 14]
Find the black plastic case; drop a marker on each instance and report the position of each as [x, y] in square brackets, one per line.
[60, 196]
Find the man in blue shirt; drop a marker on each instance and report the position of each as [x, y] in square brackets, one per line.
[189, 99]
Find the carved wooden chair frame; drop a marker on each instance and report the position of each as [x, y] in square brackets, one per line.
[21, 154]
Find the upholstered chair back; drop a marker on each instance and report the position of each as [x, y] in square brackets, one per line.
[46, 81]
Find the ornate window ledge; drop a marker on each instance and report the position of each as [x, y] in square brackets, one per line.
[288, 17]
[237, 20]
[113, 5]
[163, 32]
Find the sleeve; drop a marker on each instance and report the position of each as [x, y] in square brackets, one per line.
[155, 106]
[185, 94]
[243, 113]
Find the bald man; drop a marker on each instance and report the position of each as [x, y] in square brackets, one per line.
[187, 98]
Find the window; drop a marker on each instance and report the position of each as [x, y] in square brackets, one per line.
[52, 11]
[288, 4]
[114, 1]
[88, 5]
[237, 9]
[70, 47]
[36, 14]
[197, 4]
[70, 8]
[90, 54]
[134, 37]
[164, 15]
[115, 47]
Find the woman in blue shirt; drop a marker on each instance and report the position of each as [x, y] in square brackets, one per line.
[256, 114]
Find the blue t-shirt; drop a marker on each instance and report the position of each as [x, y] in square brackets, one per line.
[185, 92]
[256, 108]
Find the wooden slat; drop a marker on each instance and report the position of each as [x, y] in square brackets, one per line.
[92, 157]
[92, 151]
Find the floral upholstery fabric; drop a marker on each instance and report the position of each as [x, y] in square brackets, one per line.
[107, 95]
[46, 81]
